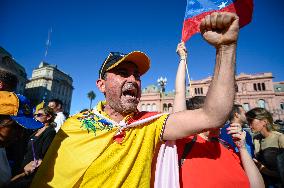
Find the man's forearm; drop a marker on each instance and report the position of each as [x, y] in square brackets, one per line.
[218, 29]
[220, 97]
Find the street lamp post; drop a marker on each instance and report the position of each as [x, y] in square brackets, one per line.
[162, 82]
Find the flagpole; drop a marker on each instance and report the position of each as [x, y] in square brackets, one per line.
[188, 77]
[48, 42]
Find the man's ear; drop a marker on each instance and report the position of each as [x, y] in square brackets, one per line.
[101, 85]
[265, 122]
[237, 115]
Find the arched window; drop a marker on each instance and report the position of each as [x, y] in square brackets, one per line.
[154, 107]
[282, 105]
[246, 106]
[170, 106]
[143, 107]
[261, 103]
[149, 107]
[165, 108]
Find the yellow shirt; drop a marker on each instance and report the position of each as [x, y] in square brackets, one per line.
[84, 154]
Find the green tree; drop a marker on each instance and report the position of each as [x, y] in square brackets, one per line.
[91, 96]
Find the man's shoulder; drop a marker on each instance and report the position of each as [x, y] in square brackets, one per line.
[60, 115]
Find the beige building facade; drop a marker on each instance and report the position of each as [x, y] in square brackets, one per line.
[49, 82]
[252, 90]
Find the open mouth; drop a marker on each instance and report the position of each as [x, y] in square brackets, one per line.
[129, 91]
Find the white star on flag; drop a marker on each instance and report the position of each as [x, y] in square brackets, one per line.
[223, 4]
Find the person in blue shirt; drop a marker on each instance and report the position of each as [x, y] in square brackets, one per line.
[237, 115]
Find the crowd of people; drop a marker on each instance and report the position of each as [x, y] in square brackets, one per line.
[115, 145]
[25, 133]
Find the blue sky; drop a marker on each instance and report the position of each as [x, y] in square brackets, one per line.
[84, 32]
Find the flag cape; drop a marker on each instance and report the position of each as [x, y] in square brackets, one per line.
[196, 10]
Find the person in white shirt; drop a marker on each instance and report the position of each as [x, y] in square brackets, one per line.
[57, 106]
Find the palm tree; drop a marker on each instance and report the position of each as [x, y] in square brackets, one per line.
[91, 96]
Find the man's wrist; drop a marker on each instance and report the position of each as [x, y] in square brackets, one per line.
[182, 58]
[227, 47]
[241, 146]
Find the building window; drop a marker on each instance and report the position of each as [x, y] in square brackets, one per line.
[154, 107]
[259, 86]
[254, 87]
[165, 108]
[246, 107]
[278, 89]
[261, 103]
[263, 86]
[236, 88]
[282, 106]
[198, 90]
[149, 108]
[170, 106]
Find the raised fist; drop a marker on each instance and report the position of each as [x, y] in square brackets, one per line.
[181, 50]
[220, 28]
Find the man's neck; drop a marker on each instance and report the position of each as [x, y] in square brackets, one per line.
[114, 115]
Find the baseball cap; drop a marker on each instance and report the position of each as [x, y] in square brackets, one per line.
[140, 59]
[19, 109]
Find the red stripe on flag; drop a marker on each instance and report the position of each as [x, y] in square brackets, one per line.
[243, 8]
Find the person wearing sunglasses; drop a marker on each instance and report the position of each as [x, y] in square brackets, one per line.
[15, 117]
[269, 146]
[37, 146]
